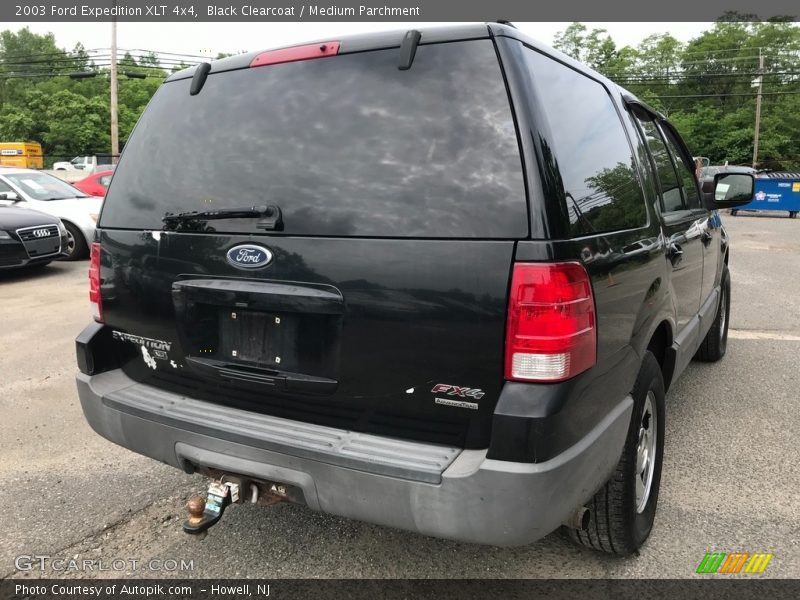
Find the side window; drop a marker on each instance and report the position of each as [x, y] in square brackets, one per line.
[591, 150]
[671, 197]
[4, 187]
[685, 169]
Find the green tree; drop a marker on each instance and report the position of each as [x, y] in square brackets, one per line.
[706, 85]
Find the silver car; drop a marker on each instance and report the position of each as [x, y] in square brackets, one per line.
[78, 211]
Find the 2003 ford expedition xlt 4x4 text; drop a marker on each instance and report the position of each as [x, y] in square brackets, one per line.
[435, 280]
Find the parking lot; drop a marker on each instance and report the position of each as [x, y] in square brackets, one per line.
[730, 479]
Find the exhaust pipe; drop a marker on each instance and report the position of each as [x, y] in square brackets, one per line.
[579, 519]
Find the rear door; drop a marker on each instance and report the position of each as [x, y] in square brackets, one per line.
[379, 304]
[708, 224]
[683, 226]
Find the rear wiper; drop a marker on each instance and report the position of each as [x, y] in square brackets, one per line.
[271, 217]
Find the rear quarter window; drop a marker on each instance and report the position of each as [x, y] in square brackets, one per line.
[592, 151]
[346, 146]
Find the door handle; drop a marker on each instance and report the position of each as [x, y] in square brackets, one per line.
[675, 253]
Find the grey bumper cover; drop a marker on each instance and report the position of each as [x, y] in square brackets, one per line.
[428, 488]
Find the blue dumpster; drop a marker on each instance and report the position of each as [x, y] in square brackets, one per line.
[775, 191]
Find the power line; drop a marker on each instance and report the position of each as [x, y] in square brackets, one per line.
[636, 77]
[752, 95]
[58, 53]
[206, 57]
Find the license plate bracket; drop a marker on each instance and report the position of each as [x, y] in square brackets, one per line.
[258, 338]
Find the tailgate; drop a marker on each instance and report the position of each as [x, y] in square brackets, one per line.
[379, 302]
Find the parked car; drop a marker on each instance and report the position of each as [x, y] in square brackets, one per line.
[29, 238]
[83, 163]
[96, 184]
[709, 172]
[444, 287]
[41, 191]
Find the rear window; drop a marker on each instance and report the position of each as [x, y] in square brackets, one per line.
[347, 145]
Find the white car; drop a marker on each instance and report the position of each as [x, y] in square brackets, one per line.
[27, 188]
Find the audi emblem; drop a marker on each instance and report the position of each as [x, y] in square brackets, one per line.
[40, 233]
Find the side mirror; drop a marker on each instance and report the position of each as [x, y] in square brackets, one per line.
[732, 190]
[13, 196]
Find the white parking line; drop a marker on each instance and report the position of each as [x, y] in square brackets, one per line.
[754, 334]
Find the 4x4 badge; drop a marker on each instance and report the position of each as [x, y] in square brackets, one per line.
[454, 390]
[249, 256]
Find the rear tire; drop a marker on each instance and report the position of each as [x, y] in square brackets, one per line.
[76, 243]
[715, 344]
[623, 511]
[792, 214]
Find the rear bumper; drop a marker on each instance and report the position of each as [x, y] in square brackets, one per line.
[427, 488]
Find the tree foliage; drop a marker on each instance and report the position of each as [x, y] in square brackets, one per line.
[40, 102]
[705, 86]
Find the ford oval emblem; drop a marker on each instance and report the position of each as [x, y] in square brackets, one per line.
[249, 256]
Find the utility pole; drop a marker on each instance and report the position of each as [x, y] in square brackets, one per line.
[114, 119]
[758, 105]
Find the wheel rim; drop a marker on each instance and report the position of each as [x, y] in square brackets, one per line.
[70, 243]
[723, 315]
[646, 452]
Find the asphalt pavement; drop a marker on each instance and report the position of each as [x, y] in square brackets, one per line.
[730, 478]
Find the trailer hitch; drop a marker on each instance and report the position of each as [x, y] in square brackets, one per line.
[226, 489]
[205, 512]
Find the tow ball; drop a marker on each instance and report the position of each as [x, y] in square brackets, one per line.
[227, 490]
[205, 512]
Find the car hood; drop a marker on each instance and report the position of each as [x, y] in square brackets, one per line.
[12, 218]
[77, 210]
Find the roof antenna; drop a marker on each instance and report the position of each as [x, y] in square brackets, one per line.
[408, 49]
[509, 23]
[199, 78]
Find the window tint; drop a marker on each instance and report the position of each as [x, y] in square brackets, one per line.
[591, 150]
[671, 198]
[346, 145]
[685, 169]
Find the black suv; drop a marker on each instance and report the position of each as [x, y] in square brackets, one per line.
[434, 280]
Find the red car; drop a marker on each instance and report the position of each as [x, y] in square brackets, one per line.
[95, 184]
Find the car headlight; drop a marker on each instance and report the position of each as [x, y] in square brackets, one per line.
[4, 235]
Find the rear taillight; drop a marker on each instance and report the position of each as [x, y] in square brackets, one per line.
[95, 298]
[551, 333]
[284, 55]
